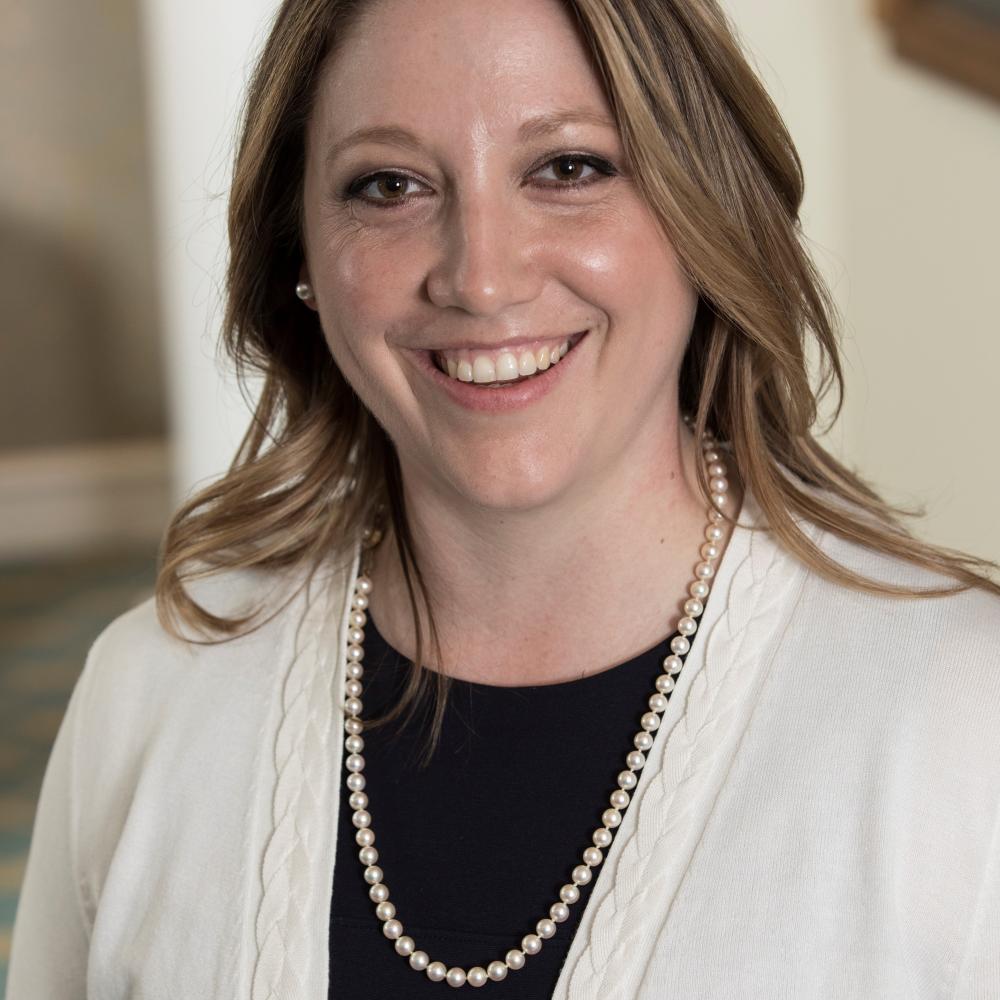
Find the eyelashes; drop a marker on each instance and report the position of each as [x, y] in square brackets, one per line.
[394, 182]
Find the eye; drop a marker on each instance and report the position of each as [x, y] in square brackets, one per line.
[568, 169]
[384, 186]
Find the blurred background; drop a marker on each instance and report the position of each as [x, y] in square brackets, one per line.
[119, 118]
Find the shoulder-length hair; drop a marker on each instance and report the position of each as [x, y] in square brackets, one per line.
[709, 153]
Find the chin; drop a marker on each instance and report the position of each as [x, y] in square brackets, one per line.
[513, 485]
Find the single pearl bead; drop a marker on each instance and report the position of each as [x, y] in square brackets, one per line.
[687, 626]
[545, 928]
[704, 571]
[353, 688]
[385, 910]
[657, 703]
[559, 912]
[373, 874]
[619, 799]
[365, 837]
[635, 760]
[531, 944]
[699, 589]
[355, 670]
[392, 929]
[592, 857]
[680, 645]
[627, 780]
[602, 837]
[355, 653]
[368, 856]
[716, 515]
[358, 800]
[497, 971]
[665, 683]
[353, 706]
[355, 781]
[379, 892]
[710, 551]
[650, 721]
[354, 744]
[716, 469]
[514, 959]
[719, 484]
[362, 818]
[363, 584]
[693, 608]
[714, 533]
[419, 960]
[581, 875]
[359, 602]
[672, 664]
[720, 499]
[436, 971]
[456, 976]
[569, 894]
[711, 456]
[477, 976]
[353, 726]
[611, 818]
[355, 762]
[356, 635]
[405, 945]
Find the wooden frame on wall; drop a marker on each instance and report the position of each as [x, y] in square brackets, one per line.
[957, 38]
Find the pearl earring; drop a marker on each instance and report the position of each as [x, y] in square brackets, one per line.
[304, 290]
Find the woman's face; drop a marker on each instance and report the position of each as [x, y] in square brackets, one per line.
[465, 193]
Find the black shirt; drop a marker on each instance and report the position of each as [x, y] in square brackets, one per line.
[476, 845]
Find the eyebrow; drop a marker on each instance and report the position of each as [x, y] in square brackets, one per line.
[530, 129]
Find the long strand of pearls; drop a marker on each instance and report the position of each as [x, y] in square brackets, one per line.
[611, 818]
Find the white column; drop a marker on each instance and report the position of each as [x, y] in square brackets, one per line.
[199, 54]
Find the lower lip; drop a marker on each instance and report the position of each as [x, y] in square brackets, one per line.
[501, 399]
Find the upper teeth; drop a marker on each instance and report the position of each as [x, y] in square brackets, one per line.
[500, 366]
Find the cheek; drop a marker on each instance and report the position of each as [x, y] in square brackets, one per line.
[626, 267]
[361, 289]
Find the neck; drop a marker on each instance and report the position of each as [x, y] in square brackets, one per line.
[555, 593]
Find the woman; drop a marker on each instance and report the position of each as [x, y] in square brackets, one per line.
[524, 239]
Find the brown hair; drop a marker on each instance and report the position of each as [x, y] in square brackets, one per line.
[709, 152]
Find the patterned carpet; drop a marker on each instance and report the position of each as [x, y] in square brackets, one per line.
[50, 613]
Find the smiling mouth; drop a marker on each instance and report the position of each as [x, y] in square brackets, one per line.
[496, 369]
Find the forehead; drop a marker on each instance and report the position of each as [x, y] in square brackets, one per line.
[484, 64]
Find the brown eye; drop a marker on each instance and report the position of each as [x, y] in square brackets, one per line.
[380, 189]
[574, 170]
[391, 186]
[568, 168]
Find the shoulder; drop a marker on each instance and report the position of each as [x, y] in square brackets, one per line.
[917, 674]
[964, 621]
[138, 670]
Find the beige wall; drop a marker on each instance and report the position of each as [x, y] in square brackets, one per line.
[923, 303]
[79, 351]
[903, 210]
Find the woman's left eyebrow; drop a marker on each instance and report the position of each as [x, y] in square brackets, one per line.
[552, 121]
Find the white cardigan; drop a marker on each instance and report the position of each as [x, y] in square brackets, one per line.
[818, 819]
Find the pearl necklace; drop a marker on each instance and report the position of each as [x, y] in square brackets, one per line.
[531, 944]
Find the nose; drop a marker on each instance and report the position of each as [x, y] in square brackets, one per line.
[485, 263]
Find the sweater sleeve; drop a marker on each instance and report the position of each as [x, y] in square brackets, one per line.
[51, 935]
[979, 973]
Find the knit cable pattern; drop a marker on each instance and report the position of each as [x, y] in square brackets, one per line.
[674, 807]
[285, 931]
